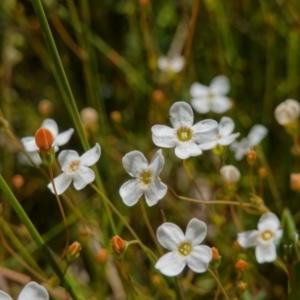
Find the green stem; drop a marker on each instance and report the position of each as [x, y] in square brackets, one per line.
[35, 235]
[219, 283]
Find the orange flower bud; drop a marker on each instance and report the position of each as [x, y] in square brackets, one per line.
[262, 172]
[241, 265]
[45, 107]
[242, 286]
[74, 249]
[44, 139]
[102, 255]
[118, 244]
[116, 116]
[295, 182]
[215, 254]
[158, 96]
[17, 181]
[251, 157]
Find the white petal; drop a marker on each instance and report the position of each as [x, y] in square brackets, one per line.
[63, 137]
[220, 104]
[200, 105]
[248, 238]
[220, 85]
[177, 63]
[51, 125]
[169, 235]
[186, 149]
[83, 177]
[156, 191]
[268, 221]
[265, 252]
[279, 234]
[208, 146]
[91, 156]
[196, 231]
[4, 296]
[256, 134]
[134, 162]
[131, 192]
[157, 163]
[61, 183]
[65, 157]
[164, 136]
[35, 157]
[198, 90]
[181, 114]
[32, 290]
[229, 139]
[205, 131]
[170, 264]
[226, 126]
[199, 259]
[29, 144]
[240, 148]
[163, 63]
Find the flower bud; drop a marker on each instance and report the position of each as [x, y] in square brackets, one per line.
[287, 112]
[158, 96]
[44, 139]
[118, 245]
[251, 157]
[73, 251]
[17, 181]
[262, 173]
[45, 107]
[216, 258]
[295, 182]
[116, 116]
[102, 255]
[230, 174]
[241, 265]
[242, 286]
[89, 116]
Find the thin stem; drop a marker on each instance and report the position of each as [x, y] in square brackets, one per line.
[35, 235]
[219, 283]
[150, 229]
[62, 214]
[128, 276]
[252, 180]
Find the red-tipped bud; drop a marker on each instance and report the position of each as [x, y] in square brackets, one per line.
[73, 251]
[118, 245]
[44, 139]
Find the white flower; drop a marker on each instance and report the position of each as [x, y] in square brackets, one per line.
[75, 168]
[171, 64]
[230, 174]
[264, 239]
[287, 111]
[211, 98]
[185, 249]
[184, 136]
[256, 134]
[146, 179]
[225, 136]
[31, 291]
[59, 140]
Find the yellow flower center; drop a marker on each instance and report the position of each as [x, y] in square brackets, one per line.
[267, 235]
[185, 248]
[73, 166]
[145, 177]
[184, 134]
[210, 96]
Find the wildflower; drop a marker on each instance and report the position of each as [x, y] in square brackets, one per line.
[185, 248]
[211, 98]
[264, 239]
[184, 136]
[230, 174]
[59, 139]
[31, 290]
[225, 136]
[287, 112]
[173, 65]
[146, 180]
[75, 168]
[255, 136]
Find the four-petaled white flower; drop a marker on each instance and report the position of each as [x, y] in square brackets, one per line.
[264, 239]
[256, 134]
[184, 136]
[171, 64]
[146, 179]
[287, 112]
[185, 248]
[31, 291]
[75, 168]
[211, 98]
[225, 136]
[230, 174]
[60, 139]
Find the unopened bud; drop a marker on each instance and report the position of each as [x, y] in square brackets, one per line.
[44, 139]
[156, 280]
[89, 116]
[251, 157]
[242, 286]
[230, 174]
[45, 108]
[118, 245]
[295, 182]
[102, 255]
[262, 173]
[17, 181]
[158, 96]
[241, 265]
[116, 116]
[216, 258]
[74, 251]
